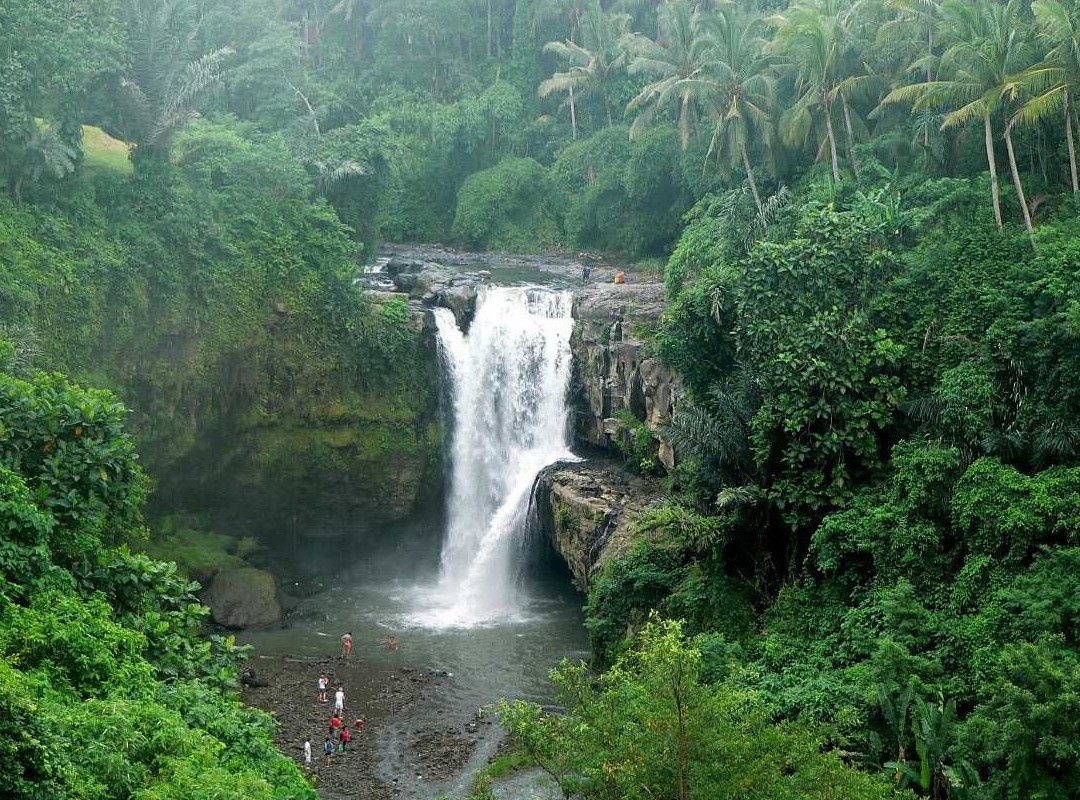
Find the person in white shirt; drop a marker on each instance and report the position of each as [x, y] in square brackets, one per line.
[339, 699]
[307, 753]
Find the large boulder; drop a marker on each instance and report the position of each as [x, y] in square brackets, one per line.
[245, 597]
[586, 510]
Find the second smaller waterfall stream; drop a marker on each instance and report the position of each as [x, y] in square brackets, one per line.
[509, 379]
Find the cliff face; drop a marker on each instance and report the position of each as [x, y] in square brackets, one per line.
[587, 509]
[285, 443]
[614, 368]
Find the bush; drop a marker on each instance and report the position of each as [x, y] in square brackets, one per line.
[504, 208]
[108, 687]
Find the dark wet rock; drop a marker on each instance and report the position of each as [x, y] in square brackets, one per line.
[246, 597]
[615, 368]
[248, 677]
[586, 510]
[443, 752]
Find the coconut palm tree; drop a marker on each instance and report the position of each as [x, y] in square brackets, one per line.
[573, 11]
[1053, 83]
[743, 89]
[914, 23]
[676, 63]
[922, 16]
[167, 75]
[812, 40]
[592, 64]
[987, 47]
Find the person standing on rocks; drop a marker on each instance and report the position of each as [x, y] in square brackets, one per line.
[346, 645]
[307, 753]
[345, 736]
[323, 682]
[328, 751]
[339, 700]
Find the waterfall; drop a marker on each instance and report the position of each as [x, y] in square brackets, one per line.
[509, 379]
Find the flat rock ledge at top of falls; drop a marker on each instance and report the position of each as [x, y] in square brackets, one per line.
[438, 277]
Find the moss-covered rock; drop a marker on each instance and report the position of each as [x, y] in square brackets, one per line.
[244, 597]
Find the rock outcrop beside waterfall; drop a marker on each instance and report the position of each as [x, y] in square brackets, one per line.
[587, 510]
[614, 368]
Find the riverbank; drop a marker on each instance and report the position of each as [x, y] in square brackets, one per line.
[404, 741]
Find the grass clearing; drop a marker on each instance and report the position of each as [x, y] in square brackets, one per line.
[103, 152]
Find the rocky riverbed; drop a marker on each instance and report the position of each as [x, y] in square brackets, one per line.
[405, 740]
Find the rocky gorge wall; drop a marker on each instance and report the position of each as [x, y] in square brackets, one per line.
[589, 508]
[375, 458]
[616, 375]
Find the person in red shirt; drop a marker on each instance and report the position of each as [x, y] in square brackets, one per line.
[345, 736]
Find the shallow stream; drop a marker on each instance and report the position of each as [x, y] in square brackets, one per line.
[378, 596]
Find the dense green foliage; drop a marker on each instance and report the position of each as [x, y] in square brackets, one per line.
[108, 687]
[217, 297]
[628, 112]
[872, 534]
[652, 727]
[877, 503]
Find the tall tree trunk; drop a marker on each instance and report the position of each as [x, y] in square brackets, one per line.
[750, 177]
[607, 108]
[573, 113]
[929, 72]
[307, 37]
[498, 32]
[850, 137]
[929, 49]
[1019, 188]
[1072, 146]
[995, 193]
[489, 28]
[682, 754]
[832, 138]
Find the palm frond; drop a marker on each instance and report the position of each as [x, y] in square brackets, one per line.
[333, 174]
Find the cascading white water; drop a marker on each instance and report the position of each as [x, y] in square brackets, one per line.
[509, 379]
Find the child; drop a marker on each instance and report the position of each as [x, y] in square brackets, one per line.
[359, 724]
[345, 736]
[307, 753]
[328, 750]
[346, 645]
[323, 682]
